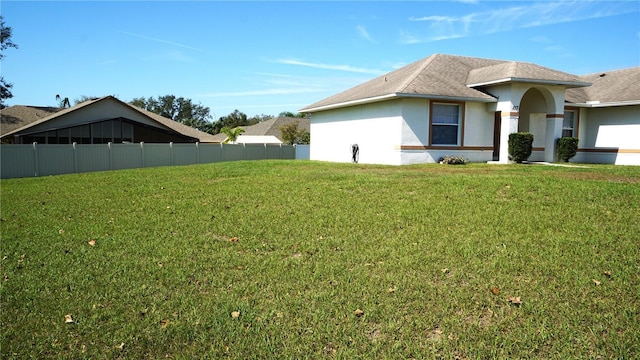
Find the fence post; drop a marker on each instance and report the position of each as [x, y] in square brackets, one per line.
[197, 152]
[110, 156]
[222, 150]
[171, 161]
[142, 153]
[35, 159]
[75, 158]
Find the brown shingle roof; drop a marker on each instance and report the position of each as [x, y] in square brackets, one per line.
[608, 87]
[17, 116]
[444, 76]
[521, 71]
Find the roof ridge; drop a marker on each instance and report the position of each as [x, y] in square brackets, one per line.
[610, 71]
[427, 61]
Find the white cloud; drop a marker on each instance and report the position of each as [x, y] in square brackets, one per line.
[364, 33]
[329, 66]
[442, 27]
[160, 40]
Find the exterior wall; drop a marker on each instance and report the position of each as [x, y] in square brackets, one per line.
[374, 127]
[477, 134]
[615, 131]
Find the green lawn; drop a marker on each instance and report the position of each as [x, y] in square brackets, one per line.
[271, 259]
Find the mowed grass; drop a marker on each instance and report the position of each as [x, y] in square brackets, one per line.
[271, 259]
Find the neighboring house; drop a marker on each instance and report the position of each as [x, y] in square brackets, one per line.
[97, 121]
[455, 105]
[266, 132]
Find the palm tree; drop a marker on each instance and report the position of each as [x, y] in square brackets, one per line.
[232, 134]
[63, 103]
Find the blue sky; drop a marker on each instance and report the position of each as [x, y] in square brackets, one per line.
[267, 57]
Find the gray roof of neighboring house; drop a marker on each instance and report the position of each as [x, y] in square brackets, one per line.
[17, 116]
[445, 76]
[269, 127]
[31, 120]
[617, 86]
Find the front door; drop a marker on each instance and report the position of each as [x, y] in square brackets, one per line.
[497, 121]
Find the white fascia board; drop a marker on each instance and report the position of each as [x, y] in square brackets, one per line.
[605, 104]
[395, 95]
[571, 84]
[350, 103]
[444, 97]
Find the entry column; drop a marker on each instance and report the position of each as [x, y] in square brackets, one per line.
[509, 125]
[554, 131]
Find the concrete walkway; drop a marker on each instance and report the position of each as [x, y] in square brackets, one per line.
[554, 164]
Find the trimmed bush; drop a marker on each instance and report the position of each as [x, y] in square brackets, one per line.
[453, 160]
[567, 147]
[520, 146]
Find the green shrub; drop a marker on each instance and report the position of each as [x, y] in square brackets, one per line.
[453, 160]
[567, 147]
[520, 146]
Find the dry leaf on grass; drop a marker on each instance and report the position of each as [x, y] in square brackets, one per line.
[596, 282]
[164, 323]
[329, 349]
[495, 291]
[92, 242]
[358, 312]
[607, 273]
[515, 300]
[392, 289]
[68, 319]
[234, 239]
[235, 314]
[120, 347]
[61, 231]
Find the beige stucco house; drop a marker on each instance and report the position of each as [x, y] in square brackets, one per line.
[454, 105]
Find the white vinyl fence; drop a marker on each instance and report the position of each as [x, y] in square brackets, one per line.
[29, 160]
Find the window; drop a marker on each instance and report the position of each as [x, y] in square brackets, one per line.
[63, 136]
[127, 132]
[81, 134]
[445, 124]
[569, 123]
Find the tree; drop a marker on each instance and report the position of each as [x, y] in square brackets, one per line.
[233, 120]
[232, 134]
[290, 114]
[291, 134]
[84, 98]
[260, 118]
[5, 43]
[178, 109]
[63, 103]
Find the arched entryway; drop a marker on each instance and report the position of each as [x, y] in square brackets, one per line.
[533, 108]
[535, 105]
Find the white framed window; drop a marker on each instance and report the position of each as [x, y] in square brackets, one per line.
[569, 123]
[445, 124]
